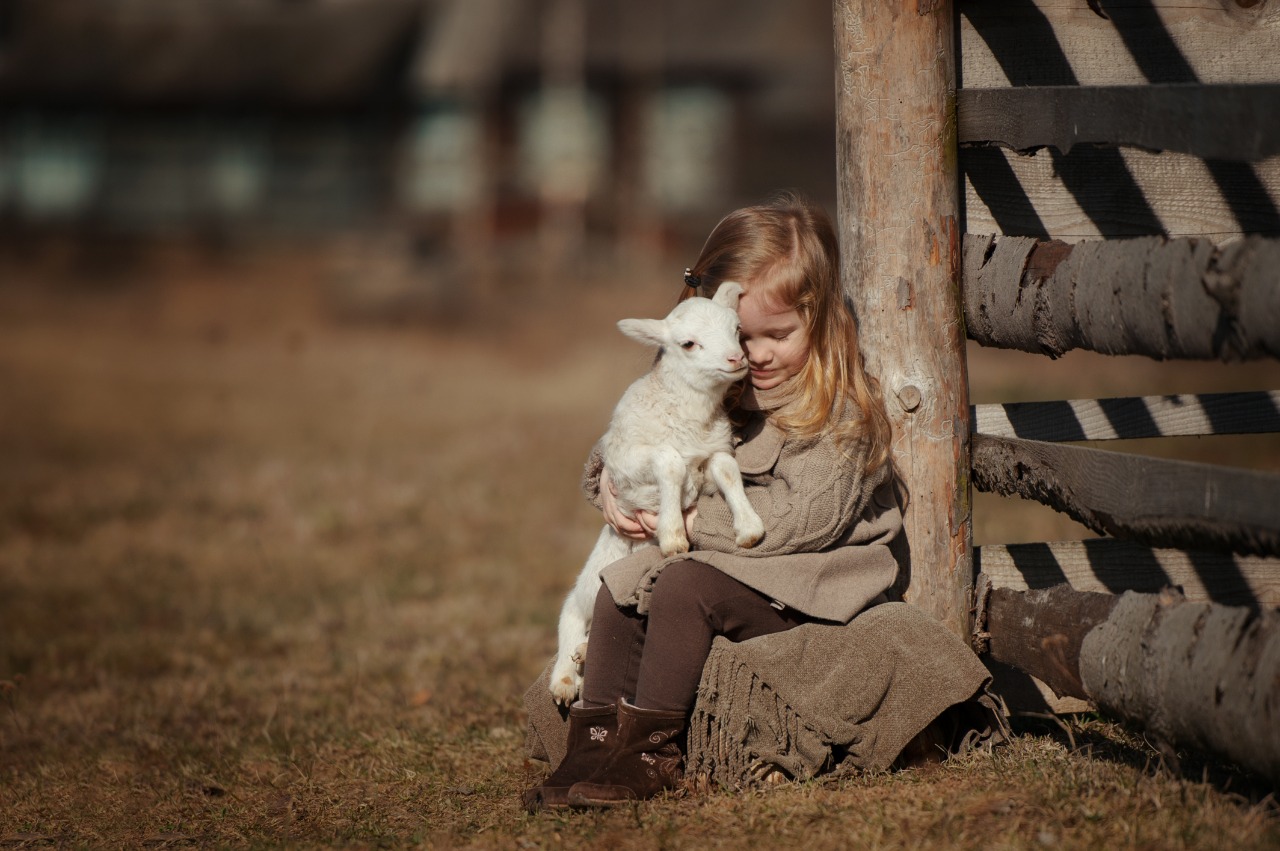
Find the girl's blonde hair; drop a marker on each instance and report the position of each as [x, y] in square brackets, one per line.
[785, 252]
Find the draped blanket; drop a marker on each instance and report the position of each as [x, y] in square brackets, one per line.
[819, 698]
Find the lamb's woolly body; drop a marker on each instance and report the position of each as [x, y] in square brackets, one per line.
[660, 410]
[668, 439]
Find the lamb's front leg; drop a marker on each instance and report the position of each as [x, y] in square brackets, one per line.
[725, 472]
[670, 470]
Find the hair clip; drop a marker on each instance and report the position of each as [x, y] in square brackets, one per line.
[690, 278]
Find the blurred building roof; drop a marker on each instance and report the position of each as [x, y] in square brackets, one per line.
[342, 52]
[779, 48]
[329, 52]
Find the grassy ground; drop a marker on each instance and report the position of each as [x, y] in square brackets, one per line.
[271, 577]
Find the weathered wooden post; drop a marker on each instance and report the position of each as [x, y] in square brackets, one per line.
[900, 263]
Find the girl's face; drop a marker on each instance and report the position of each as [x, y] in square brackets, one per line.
[776, 341]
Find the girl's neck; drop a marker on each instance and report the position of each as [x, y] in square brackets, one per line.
[769, 400]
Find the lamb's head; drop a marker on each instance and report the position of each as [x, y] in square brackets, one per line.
[699, 339]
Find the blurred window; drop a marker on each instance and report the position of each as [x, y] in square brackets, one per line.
[6, 168]
[150, 173]
[442, 160]
[688, 148]
[237, 172]
[563, 144]
[57, 166]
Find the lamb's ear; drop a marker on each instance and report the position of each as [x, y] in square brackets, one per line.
[651, 331]
[727, 294]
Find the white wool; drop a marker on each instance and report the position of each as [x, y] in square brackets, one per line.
[669, 438]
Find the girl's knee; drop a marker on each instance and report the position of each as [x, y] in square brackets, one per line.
[685, 582]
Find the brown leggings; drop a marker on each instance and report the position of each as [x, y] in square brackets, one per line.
[655, 662]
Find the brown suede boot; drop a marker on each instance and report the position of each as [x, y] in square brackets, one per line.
[593, 732]
[645, 762]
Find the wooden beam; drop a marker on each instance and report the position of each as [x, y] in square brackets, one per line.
[1193, 674]
[900, 265]
[1129, 418]
[1106, 565]
[1179, 298]
[1151, 500]
[1040, 632]
[1184, 117]
[1131, 42]
[1115, 193]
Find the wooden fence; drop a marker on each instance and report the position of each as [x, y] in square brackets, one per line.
[1109, 180]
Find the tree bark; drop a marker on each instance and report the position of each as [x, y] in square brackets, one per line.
[900, 266]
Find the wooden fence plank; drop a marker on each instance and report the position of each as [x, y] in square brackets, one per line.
[1050, 42]
[1040, 632]
[1184, 117]
[1161, 298]
[1128, 418]
[1151, 500]
[1091, 193]
[1194, 674]
[1106, 565]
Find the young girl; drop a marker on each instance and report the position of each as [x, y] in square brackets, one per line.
[813, 446]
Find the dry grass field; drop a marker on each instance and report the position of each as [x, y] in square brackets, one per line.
[270, 576]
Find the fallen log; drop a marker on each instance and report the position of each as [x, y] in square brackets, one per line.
[1194, 674]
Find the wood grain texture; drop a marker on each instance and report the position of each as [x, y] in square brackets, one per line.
[1107, 565]
[1040, 632]
[1164, 299]
[900, 265]
[1187, 118]
[1063, 42]
[1093, 193]
[1152, 501]
[1194, 674]
[1133, 417]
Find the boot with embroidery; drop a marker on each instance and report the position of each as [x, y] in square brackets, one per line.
[645, 761]
[592, 734]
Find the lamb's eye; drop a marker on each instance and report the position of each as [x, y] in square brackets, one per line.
[688, 345]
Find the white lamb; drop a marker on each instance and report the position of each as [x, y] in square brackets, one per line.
[668, 439]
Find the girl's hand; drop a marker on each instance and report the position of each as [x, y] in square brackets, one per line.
[644, 525]
[625, 525]
[649, 520]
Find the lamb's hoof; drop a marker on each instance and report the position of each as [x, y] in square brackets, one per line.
[564, 687]
[671, 545]
[579, 656]
[747, 540]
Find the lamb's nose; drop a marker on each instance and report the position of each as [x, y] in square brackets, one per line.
[735, 359]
